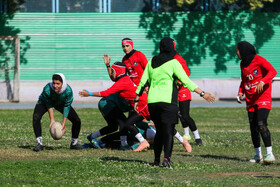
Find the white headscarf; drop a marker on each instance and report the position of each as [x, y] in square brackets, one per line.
[64, 84]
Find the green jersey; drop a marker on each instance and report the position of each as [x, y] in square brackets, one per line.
[162, 81]
[61, 102]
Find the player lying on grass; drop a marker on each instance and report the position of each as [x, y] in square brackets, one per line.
[56, 94]
[126, 90]
[148, 131]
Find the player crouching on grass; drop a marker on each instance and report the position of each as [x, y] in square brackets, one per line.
[56, 94]
[126, 89]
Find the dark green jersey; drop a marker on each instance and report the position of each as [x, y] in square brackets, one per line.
[61, 102]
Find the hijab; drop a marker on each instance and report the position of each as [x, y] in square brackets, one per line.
[247, 52]
[167, 52]
[64, 84]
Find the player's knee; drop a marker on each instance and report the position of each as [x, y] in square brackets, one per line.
[262, 126]
[36, 117]
[102, 103]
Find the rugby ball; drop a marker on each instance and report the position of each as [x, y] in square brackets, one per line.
[56, 131]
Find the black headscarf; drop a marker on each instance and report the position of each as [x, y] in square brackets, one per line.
[167, 52]
[247, 52]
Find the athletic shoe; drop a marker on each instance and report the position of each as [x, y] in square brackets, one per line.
[269, 158]
[156, 163]
[125, 147]
[134, 146]
[143, 145]
[187, 137]
[198, 142]
[166, 164]
[89, 137]
[256, 159]
[38, 148]
[76, 146]
[95, 144]
[86, 145]
[187, 145]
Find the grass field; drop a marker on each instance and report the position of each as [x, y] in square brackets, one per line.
[222, 160]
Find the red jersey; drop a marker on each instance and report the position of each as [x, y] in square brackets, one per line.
[183, 93]
[259, 70]
[135, 65]
[127, 90]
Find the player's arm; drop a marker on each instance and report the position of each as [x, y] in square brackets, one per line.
[188, 83]
[86, 93]
[52, 120]
[107, 61]
[63, 124]
[271, 73]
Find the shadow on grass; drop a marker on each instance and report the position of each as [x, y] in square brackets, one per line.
[45, 147]
[123, 160]
[217, 157]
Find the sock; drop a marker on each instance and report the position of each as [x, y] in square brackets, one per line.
[269, 150]
[187, 131]
[74, 141]
[95, 134]
[258, 151]
[196, 134]
[123, 140]
[39, 140]
[139, 137]
[179, 137]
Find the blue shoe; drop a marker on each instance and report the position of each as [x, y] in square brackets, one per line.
[126, 147]
[135, 146]
[89, 137]
[87, 145]
[95, 144]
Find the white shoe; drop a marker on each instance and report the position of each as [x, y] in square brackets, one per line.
[269, 158]
[256, 159]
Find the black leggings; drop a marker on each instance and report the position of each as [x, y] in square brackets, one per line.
[184, 115]
[165, 116]
[258, 127]
[40, 110]
[114, 119]
[128, 125]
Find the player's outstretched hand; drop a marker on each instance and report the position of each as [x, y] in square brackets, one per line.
[107, 60]
[208, 97]
[84, 93]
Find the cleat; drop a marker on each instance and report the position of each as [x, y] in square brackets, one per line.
[38, 148]
[135, 146]
[156, 163]
[95, 144]
[76, 146]
[269, 158]
[187, 137]
[86, 145]
[198, 142]
[89, 137]
[166, 164]
[187, 145]
[256, 159]
[143, 145]
[125, 147]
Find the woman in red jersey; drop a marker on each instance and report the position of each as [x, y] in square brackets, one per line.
[256, 76]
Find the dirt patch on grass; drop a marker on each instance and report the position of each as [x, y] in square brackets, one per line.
[271, 174]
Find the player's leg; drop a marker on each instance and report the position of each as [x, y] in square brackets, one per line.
[76, 127]
[183, 140]
[188, 122]
[265, 134]
[129, 126]
[114, 118]
[158, 144]
[255, 136]
[39, 111]
[169, 117]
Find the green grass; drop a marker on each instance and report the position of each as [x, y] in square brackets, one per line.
[222, 160]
